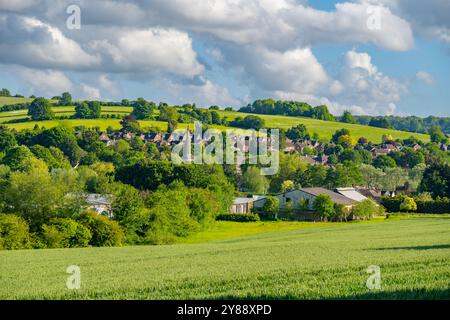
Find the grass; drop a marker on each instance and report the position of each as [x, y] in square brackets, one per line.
[307, 262]
[13, 100]
[324, 129]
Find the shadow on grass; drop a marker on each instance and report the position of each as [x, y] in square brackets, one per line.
[415, 294]
[419, 248]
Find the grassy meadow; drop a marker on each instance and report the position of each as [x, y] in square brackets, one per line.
[286, 260]
[13, 100]
[324, 129]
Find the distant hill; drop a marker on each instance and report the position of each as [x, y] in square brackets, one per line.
[324, 129]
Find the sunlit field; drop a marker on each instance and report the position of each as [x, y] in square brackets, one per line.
[303, 261]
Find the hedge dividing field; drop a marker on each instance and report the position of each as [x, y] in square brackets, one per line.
[327, 261]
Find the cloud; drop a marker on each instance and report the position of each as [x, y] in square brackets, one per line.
[425, 77]
[149, 51]
[265, 46]
[204, 94]
[366, 88]
[109, 85]
[429, 18]
[33, 43]
[350, 23]
[87, 92]
[43, 82]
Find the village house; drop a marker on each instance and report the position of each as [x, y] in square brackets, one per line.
[244, 205]
[307, 195]
[99, 203]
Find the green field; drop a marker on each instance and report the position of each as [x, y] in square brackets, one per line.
[13, 100]
[324, 129]
[285, 261]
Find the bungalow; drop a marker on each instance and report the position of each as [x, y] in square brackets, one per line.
[244, 205]
[308, 195]
[351, 193]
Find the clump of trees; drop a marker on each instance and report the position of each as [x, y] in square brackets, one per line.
[288, 108]
[40, 109]
[88, 110]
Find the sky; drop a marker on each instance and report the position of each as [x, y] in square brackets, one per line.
[374, 57]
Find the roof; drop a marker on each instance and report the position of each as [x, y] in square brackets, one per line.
[98, 199]
[247, 200]
[351, 193]
[336, 197]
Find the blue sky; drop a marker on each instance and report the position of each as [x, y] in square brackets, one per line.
[232, 52]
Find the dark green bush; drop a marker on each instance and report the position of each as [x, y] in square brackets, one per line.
[236, 217]
[438, 206]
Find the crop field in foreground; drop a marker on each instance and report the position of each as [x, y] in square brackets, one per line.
[323, 261]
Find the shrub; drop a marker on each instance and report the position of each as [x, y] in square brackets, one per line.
[235, 217]
[366, 209]
[270, 208]
[105, 232]
[340, 213]
[14, 232]
[324, 206]
[408, 205]
[65, 233]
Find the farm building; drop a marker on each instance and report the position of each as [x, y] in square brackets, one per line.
[351, 193]
[244, 205]
[347, 197]
[308, 195]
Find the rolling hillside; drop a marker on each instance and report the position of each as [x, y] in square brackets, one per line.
[324, 129]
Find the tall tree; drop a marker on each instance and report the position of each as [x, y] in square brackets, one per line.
[40, 109]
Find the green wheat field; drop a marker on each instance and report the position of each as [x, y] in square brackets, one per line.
[263, 260]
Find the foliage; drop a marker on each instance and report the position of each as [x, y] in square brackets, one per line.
[408, 204]
[88, 110]
[324, 206]
[143, 109]
[254, 182]
[297, 133]
[40, 109]
[270, 208]
[347, 117]
[34, 196]
[249, 122]
[65, 233]
[365, 209]
[105, 232]
[436, 180]
[235, 217]
[383, 162]
[436, 135]
[14, 233]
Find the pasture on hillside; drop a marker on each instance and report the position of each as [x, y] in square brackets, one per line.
[13, 100]
[324, 261]
[324, 129]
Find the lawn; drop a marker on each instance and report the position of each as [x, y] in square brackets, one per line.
[286, 260]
